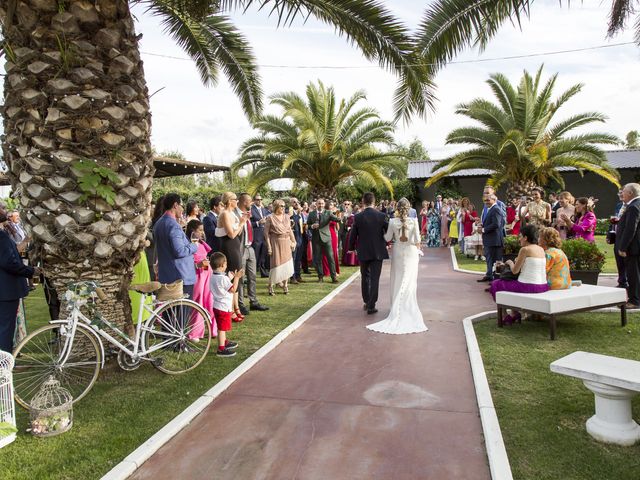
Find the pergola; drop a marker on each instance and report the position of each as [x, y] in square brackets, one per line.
[165, 167]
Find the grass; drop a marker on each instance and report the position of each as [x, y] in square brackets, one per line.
[480, 266]
[125, 408]
[542, 414]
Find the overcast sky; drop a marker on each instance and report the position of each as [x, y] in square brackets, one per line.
[207, 124]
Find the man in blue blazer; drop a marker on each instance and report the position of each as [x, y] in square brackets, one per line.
[258, 218]
[369, 227]
[492, 234]
[210, 222]
[13, 285]
[175, 250]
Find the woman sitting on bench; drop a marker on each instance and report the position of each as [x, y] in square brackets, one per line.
[530, 266]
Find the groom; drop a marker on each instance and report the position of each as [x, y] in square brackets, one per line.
[369, 227]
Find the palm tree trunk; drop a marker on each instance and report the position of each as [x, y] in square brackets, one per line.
[522, 188]
[75, 89]
[328, 194]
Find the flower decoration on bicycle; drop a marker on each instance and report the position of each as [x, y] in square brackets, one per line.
[85, 293]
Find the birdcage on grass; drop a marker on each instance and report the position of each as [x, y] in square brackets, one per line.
[7, 405]
[51, 410]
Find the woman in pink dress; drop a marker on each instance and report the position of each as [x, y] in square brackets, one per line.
[201, 292]
[333, 228]
[585, 222]
[424, 216]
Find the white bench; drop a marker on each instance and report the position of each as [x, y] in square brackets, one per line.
[554, 302]
[614, 381]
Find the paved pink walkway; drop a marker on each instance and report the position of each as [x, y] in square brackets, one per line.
[336, 401]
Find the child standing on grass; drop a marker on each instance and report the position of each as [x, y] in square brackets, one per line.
[223, 286]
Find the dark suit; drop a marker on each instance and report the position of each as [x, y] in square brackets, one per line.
[298, 228]
[210, 223]
[13, 287]
[493, 236]
[554, 211]
[620, 263]
[369, 227]
[259, 245]
[628, 241]
[321, 240]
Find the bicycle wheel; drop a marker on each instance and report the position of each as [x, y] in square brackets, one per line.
[168, 332]
[37, 358]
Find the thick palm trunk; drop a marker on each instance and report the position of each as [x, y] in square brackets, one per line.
[75, 89]
[328, 194]
[523, 188]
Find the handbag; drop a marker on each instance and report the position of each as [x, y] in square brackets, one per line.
[507, 274]
[611, 237]
[170, 291]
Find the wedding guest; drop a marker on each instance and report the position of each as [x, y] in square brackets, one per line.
[611, 239]
[224, 284]
[557, 263]
[210, 222]
[433, 227]
[259, 216]
[473, 243]
[174, 250]
[444, 222]
[628, 241]
[566, 209]
[453, 224]
[350, 257]
[13, 285]
[492, 234]
[201, 289]
[150, 250]
[489, 190]
[538, 211]
[333, 228]
[229, 231]
[513, 219]
[555, 205]
[530, 266]
[585, 222]
[192, 211]
[424, 218]
[306, 239]
[318, 222]
[468, 217]
[438, 203]
[280, 245]
[297, 225]
[14, 227]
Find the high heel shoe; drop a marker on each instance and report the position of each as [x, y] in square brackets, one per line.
[271, 292]
[237, 316]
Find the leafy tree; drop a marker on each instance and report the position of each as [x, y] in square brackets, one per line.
[75, 88]
[450, 26]
[517, 141]
[632, 140]
[320, 141]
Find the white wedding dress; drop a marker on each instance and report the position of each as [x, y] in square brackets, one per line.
[405, 315]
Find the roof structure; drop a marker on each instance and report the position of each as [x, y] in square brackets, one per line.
[165, 167]
[619, 159]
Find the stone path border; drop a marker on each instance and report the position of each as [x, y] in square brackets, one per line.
[136, 458]
[496, 451]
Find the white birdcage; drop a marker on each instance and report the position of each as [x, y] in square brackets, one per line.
[51, 409]
[7, 406]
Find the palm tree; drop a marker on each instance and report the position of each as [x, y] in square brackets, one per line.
[516, 140]
[320, 142]
[450, 26]
[77, 118]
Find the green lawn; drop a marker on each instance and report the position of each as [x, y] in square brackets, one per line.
[542, 414]
[480, 266]
[125, 408]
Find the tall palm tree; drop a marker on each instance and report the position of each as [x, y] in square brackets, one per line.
[516, 140]
[321, 142]
[450, 26]
[77, 120]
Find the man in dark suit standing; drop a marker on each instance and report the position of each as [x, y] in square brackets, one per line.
[555, 205]
[210, 223]
[297, 225]
[13, 285]
[492, 234]
[318, 222]
[628, 241]
[369, 227]
[258, 218]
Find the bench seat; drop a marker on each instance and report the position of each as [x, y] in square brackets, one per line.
[575, 299]
[614, 382]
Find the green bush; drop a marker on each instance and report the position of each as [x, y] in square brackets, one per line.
[511, 245]
[583, 255]
[602, 226]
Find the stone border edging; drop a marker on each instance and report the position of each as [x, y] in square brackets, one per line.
[494, 444]
[135, 459]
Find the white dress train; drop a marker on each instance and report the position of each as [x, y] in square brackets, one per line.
[405, 315]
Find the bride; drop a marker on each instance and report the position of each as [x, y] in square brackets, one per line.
[405, 315]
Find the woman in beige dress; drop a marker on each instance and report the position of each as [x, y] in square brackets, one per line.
[566, 201]
[538, 211]
[280, 245]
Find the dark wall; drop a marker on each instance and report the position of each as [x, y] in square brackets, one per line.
[589, 185]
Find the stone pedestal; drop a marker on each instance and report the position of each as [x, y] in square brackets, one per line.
[612, 422]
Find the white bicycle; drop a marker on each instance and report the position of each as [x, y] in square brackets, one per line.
[72, 349]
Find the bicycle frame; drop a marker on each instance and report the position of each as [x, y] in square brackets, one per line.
[138, 348]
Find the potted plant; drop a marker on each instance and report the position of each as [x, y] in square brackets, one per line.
[585, 260]
[511, 247]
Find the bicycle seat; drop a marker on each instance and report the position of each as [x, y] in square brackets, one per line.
[148, 287]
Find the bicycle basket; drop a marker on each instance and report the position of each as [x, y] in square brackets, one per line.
[170, 291]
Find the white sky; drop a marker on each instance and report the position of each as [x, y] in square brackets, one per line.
[207, 124]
